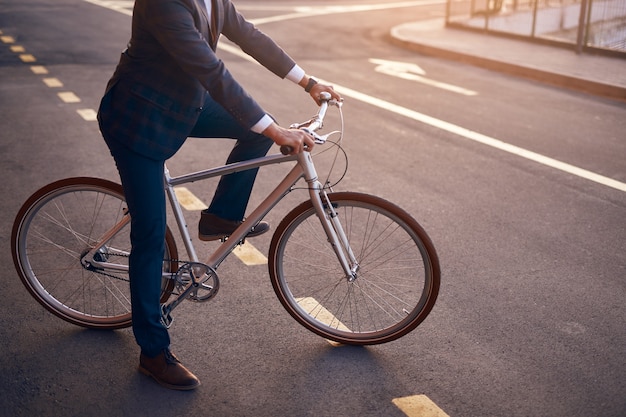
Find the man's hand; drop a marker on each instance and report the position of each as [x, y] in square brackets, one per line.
[297, 140]
[316, 89]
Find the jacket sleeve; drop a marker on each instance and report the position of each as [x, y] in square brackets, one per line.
[254, 42]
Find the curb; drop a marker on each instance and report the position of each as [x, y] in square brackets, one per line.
[535, 74]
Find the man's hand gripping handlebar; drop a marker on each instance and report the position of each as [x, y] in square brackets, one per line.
[312, 125]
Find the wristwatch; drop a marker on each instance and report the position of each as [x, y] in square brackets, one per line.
[310, 84]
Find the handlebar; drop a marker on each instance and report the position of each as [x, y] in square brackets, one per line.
[315, 123]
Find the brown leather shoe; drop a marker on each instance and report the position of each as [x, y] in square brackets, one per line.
[167, 370]
[212, 227]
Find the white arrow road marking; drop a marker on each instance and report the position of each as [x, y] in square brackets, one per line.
[397, 68]
[457, 130]
[413, 72]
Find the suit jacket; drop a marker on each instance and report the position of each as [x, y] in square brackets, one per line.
[157, 91]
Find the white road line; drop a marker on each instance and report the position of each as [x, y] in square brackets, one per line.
[339, 8]
[484, 139]
[317, 10]
[125, 7]
[458, 130]
[431, 121]
[412, 72]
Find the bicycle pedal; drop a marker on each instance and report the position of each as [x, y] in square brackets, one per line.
[225, 238]
[166, 317]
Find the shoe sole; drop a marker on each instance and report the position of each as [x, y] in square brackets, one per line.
[209, 238]
[165, 384]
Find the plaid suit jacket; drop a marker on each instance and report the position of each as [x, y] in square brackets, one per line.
[156, 94]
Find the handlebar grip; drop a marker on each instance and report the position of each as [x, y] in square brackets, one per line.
[286, 150]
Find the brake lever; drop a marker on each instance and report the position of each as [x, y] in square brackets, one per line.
[321, 139]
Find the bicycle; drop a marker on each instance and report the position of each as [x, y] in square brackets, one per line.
[371, 273]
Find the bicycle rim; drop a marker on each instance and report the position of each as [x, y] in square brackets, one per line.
[54, 229]
[397, 282]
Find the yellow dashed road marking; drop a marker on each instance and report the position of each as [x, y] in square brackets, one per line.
[69, 97]
[321, 314]
[39, 69]
[53, 82]
[418, 406]
[7, 39]
[89, 115]
[313, 307]
[17, 48]
[27, 58]
[188, 200]
[249, 255]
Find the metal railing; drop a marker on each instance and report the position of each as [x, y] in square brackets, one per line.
[586, 25]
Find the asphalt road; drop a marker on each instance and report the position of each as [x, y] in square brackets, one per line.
[530, 320]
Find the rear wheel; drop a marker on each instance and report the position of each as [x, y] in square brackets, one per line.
[55, 228]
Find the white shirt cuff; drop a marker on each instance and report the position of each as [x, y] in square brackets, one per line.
[262, 124]
[296, 74]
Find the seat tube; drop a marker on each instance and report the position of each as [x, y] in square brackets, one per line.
[178, 215]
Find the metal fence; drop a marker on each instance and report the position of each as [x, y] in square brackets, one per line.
[586, 25]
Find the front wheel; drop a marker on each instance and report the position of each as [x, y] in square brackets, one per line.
[54, 230]
[396, 284]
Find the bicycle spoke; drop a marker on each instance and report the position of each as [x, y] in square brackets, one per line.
[391, 292]
[60, 224]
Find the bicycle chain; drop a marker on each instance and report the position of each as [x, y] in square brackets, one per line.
[108, 254]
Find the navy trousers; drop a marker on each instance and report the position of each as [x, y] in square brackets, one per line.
[142, 180]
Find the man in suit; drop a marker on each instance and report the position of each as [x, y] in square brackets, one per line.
[169, 85]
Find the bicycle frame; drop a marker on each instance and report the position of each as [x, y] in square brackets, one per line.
[303, 169]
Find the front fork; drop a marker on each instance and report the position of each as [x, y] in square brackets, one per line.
[330, 219]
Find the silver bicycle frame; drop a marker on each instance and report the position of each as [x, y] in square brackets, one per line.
[305, 168]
